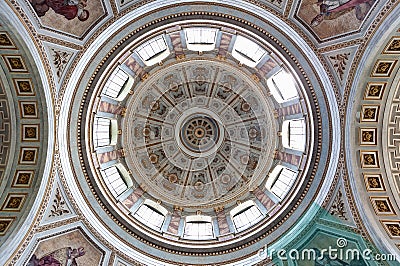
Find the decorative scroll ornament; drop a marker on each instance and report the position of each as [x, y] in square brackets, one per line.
[60, 61]
[59, 206]
[339, 63]
[338, 207]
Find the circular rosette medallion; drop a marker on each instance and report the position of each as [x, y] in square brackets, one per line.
[199, 134]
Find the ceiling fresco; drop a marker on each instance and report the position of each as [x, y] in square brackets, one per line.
[199, 132]
[330, 19]
[74, 18]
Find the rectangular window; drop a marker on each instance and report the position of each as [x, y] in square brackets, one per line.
[297, 134]
[114, 181]
[152, 48]
[200, 35]
[115, 83]
[101, 132]
[247, 51]
[247, 217]
[283, 182]
[150, 217]
[198, 230]
[282, 86]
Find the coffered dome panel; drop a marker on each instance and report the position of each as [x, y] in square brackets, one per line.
[25, 142]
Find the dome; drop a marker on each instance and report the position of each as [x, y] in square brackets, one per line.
[199, 132]
[188, 145]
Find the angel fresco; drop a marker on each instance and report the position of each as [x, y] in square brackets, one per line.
[332, 9]
[70, 9]
[60, 257]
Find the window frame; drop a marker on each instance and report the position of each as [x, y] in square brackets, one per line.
[156, 209]
[242, 212]
[160, 53]
[278, 92]
[118, 175]
[199, 220]
[274, 179]
[290, 138]
[200, 46]
[111, 130]
[247, 51]
[101, 132]
[113, 87]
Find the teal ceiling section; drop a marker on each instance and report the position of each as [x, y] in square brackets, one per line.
[322, 242]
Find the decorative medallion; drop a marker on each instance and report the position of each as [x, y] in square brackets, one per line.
[368, 136]
[23, 178]
[369, 113]
[5, 223]
[14, 202]
[374, 90]
[5, 41]
[28, 109]
[382, 205]
[30, 132]
[15, 63]
[24, 87]
[393, 46]
[369, 159]
[28, 155]
[374, 182]
[392, 228]
[383, 68]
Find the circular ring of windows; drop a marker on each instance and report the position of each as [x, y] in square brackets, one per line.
[201, 133]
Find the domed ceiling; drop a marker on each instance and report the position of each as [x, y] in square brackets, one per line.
[199, 133]
[198, 136]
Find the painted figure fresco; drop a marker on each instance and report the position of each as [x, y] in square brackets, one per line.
[60, 257]
[331, 9]
[70, 9]
[328, 19]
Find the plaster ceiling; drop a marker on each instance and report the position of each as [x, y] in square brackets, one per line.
[346, 71]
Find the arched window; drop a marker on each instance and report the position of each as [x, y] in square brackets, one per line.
[198, 227]
[151, 214]
[105, 131]
[245, 215]
[153, 51]
[116, 83]
[113, 177]
[247, 51]
[280, 181]
[200, 39]
[294, 134]
[282, 86]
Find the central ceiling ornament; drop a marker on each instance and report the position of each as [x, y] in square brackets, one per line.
[199, 142]
[199, 133]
